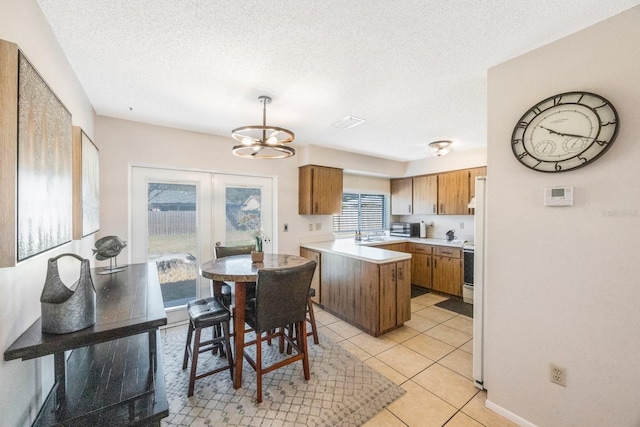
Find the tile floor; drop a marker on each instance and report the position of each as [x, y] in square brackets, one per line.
[430, 357]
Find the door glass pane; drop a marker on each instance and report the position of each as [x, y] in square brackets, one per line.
[244, 214]
[172, 239]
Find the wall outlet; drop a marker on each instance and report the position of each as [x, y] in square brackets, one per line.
[462, 226]
[318, 225]
[310, 227]
[558, 375]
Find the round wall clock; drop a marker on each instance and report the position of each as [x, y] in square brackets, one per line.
[565, 132]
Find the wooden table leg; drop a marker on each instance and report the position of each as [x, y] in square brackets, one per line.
[238, 328]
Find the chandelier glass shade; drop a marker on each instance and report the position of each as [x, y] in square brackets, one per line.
[262, 141]
[440, 148]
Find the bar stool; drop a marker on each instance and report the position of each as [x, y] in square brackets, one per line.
[311, 318]
[204, 313]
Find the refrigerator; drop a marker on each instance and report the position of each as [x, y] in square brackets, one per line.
[479, 282]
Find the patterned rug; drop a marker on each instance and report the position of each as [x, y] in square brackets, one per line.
[342, 391]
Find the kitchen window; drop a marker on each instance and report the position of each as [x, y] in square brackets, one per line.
[364, 212]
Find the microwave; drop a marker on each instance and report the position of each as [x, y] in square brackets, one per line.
[405, 229]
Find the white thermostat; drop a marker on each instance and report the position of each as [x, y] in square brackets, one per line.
[558, 196]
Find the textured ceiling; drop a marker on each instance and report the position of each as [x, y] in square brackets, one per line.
[415, 70]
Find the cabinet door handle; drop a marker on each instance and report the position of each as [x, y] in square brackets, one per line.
[315, 209]
[441, 207]
[434, 208]
[409, 211]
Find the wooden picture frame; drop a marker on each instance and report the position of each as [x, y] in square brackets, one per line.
[36, 161]
[86, 185]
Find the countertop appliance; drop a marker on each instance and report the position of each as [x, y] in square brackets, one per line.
[405, 229]
[479, 283]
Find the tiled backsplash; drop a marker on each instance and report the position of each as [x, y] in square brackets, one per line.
[461, 224]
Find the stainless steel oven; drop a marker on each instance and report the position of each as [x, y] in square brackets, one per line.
[467, 290]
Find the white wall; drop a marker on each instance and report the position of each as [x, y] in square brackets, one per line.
[125, 143]
[23, 384]
[562, 282]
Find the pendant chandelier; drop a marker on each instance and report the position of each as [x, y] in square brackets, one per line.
[262, 141]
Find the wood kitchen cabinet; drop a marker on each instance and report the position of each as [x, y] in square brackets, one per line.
[399, 247]
[316, 280]
[447, 270]
[453, 193]
[473, 173]
[373, 297]
[319, 190]
[420, 264]
[425, 195]
[402, 196]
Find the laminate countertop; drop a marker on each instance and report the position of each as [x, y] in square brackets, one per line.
[367, 250]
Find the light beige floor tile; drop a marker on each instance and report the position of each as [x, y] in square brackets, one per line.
[467, 347]
[384, 419]
[386, 370]
[373, 345]
[355, 350]
[401, 334]
[448, 335]
[404, 360]
[416, 306]
[325, 318]
[477, 410]
[461, 323]
[420, 323]
[462, 420]
[344, 329]
[460, 362]
[449, 386]
[333, 337]
[420, 408]
[429, 299]
[428, 346]
[436, 314]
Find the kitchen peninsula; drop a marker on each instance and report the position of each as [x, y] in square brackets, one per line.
[368, 283]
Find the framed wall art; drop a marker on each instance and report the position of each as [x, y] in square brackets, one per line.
[86, 185]
[36, 148]
[44, 165]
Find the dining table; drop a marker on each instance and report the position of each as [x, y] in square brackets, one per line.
[241, 270]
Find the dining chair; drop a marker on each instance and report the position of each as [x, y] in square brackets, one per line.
[205, 313]
[224, 289]
[280, 301]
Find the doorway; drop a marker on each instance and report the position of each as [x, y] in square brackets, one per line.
[177, 215]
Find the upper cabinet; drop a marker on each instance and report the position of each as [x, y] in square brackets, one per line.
[473, 173]
[453, 193]
[319, 190]
[402, 196]
[446, 193]
[425, 194]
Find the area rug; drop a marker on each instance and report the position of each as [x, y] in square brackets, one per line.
[343, 391]
[457, 306]
[416, 291]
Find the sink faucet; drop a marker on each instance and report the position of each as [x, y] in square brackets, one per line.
[372, 234]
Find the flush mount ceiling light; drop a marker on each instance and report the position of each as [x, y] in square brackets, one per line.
[262, 141]
[440, 148]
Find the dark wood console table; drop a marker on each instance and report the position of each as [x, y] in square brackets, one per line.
[114, 374]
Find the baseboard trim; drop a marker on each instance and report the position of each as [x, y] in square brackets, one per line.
[508, 414]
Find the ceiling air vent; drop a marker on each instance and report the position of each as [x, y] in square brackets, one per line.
[349, 122]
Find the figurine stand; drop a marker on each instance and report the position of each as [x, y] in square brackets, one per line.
[113, 267]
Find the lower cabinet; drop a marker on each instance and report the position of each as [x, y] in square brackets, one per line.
[447, 270]
[374, 297]
[420, 264]
[315, 282]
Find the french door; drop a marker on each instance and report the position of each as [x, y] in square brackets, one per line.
[177, 215]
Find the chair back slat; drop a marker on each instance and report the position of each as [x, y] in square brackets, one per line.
[281, 296]
[224, 251]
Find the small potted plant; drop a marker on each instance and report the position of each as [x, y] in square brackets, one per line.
[258, 255]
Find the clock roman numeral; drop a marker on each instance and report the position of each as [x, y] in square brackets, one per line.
[557, 100]
[522, 155]
[523, 125]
